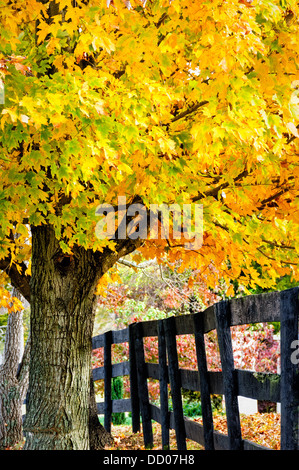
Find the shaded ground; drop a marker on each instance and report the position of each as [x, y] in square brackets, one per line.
[264, 429]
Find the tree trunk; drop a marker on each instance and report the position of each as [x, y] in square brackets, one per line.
[13, 381]
[62, 316]
[63, 301]
[98, 436]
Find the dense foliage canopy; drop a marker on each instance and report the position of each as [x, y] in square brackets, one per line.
[159, 101]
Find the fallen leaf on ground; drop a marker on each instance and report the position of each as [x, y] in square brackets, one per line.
[261, 428]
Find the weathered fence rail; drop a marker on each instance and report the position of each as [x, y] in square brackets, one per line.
[280, 307]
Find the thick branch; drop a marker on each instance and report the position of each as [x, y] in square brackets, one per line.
[17, 273]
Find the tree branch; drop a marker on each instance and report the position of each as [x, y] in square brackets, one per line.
[214, 191]
[190, 110]
[272, 198]
[131, 264]
[18, 277]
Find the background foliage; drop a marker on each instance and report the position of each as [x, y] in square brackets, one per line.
[146, 295]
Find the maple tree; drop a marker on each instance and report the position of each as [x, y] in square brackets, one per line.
[163, 102]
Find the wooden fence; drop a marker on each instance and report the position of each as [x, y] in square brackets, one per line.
[280, 307]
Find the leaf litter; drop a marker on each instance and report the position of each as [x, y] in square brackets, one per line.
[261, 428]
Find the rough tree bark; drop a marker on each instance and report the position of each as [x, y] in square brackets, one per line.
[98, 436]
[62, 310]
[14, 378]
[62, 315]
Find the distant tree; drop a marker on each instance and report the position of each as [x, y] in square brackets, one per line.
[14, 379]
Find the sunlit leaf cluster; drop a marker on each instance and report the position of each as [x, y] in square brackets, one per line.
[181, 101]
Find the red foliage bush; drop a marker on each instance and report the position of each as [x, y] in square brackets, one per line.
[255, 348]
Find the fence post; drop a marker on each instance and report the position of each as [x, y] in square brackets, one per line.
[175, 382]
[107, 380]
[165, 424]
[142, 387]
[206, 406]
[222, 314]
[135, 408]
[289, 381]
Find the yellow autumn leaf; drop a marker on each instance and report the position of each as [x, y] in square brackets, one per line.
[11, 113]
[123, 167]
[43, 31]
